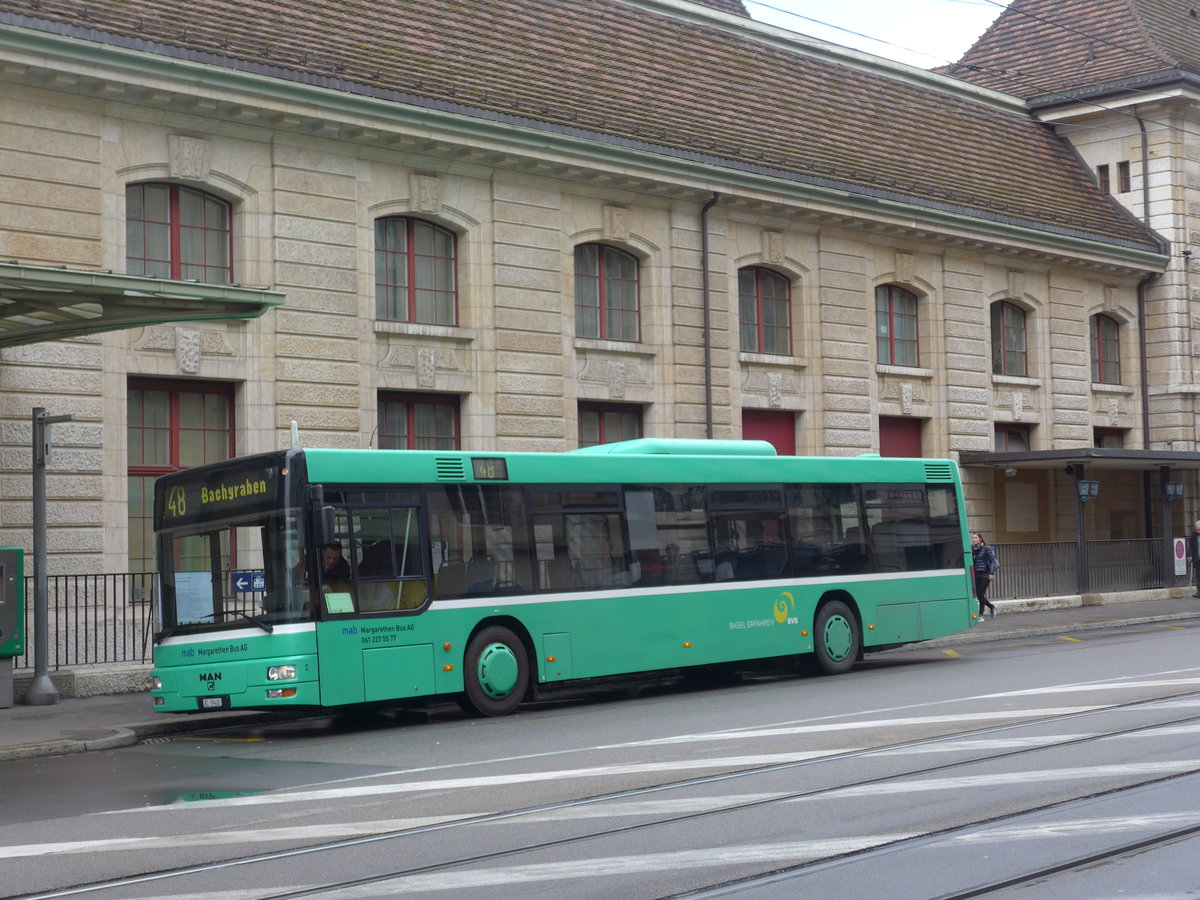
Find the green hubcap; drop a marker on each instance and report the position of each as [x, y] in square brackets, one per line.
[497, 670]
[837, 638]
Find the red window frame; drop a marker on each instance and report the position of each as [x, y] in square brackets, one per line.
[765, 311]
[1013, 438]
[890, 321]
[420, 271]
[612, 423]
[1124, 181]
[1106, 349]
[138, 259]
[142, 519]
[1009, 322]
[1103, 179]
[607, 315]
[404, 420]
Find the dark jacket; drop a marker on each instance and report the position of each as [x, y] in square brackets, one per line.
[983, 560]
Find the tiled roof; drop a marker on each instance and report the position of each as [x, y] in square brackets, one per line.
[729, 6]
[1040, 47]
[624, 72]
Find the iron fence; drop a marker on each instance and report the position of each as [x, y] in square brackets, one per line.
[98, 619]
[93, 619]
[1051, 569]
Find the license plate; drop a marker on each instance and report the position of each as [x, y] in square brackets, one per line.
[214, 702]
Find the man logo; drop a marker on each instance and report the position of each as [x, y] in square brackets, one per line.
[210, 676]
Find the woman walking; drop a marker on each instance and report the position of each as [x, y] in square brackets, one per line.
[984, 565]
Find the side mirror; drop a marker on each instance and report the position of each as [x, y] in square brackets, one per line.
[323, 525]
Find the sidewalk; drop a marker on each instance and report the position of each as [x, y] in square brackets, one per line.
[118, 720]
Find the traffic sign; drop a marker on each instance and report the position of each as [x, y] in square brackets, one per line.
[248, 582]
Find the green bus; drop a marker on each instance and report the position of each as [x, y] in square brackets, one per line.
[331, 578]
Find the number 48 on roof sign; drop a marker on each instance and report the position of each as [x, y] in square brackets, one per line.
[247, 582]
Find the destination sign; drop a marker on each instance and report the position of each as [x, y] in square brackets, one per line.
[489, 468]
[224, 493]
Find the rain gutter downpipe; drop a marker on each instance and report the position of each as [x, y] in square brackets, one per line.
[1142, 287]
[704, 296]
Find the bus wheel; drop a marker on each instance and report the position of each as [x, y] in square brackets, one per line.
[495, 673]
[836, 637]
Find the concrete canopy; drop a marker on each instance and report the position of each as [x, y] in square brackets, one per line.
[39, 303]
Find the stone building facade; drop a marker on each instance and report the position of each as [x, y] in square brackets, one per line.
[823, 248]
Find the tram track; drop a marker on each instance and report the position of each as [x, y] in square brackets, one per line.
[779, 876]
[667, 820]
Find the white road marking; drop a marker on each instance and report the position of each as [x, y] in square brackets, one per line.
[616, 809]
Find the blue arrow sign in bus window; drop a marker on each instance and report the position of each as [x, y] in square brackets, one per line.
[248, 582]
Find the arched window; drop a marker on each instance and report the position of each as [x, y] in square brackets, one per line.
[896, 325]
[1008, 339]
[178, 232]
[764, 311]
[416, 265]
[1106, 350]
[606, 293]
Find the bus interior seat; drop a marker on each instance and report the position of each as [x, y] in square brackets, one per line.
[452, 580]
[376, 560]
[481, 576]
[560, 574]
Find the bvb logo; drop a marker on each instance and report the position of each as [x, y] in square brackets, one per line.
[785, 604]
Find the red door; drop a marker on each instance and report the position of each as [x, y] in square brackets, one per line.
[776, 428]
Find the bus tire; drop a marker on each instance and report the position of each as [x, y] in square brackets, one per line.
[836, 638]
[495, 673]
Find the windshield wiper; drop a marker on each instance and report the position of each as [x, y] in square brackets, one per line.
[265, 626]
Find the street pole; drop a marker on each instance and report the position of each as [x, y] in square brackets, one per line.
[41, 691]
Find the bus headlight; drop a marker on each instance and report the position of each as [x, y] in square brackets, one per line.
[281, 673]
[280, 693]
[156, 683]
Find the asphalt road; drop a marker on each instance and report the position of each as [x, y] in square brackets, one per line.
[1026, 768]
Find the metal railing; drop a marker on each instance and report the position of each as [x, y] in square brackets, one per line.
[93, 619]
[1054, 568]
[105, 619]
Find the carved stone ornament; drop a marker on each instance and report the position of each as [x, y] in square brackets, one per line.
[906, 399]
[426, 193]
[187, 350]
[904, 268]
[616, 379]
[426, 367]
[189, 157]
[616, 223]
[1018, 406]
[773, 247]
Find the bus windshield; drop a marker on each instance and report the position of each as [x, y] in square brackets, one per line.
[234, 573]
[231, 548]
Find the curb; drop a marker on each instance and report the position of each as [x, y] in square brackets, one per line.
[120, 737]
[131, 734]
[987, 635]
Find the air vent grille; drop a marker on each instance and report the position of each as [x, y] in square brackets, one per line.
[939, 471]
[450, 470]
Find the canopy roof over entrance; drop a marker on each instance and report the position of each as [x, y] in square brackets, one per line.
[1092, 457]
[45, 304]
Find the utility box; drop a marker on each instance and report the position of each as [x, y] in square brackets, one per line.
[12, 617]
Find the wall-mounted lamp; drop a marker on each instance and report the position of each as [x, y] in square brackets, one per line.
[1174, 491]
[1087, 490]
[1009, 472]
